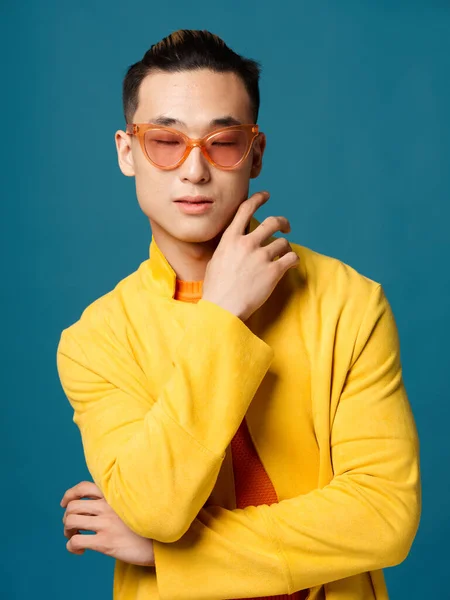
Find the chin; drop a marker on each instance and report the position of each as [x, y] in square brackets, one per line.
[197, 232]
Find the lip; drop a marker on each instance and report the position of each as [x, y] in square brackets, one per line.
[194, 205]
[194, 208]
[195, 199]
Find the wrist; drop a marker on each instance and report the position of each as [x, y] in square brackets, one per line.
[229, 307]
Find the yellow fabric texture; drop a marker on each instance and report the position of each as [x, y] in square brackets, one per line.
[159, 387]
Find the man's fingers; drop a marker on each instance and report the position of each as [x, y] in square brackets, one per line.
[81, 490]
[84, 507]
[268, 227]
[81, 542]
[68, 533]
[285, 262]
[279, 247]
[246, 211]
[83, 522]
[81, 514]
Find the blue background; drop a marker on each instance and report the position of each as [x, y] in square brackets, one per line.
[355, 104]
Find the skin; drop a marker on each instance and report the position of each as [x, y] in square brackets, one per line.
[212, 247]
[111, 536]
[196, 98]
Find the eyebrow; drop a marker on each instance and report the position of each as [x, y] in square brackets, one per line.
[224, 121]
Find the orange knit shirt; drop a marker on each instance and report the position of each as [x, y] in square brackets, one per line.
[252, 484]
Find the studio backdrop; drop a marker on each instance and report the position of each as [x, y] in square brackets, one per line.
[355, 101]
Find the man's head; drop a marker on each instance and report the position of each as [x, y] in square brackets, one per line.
[192, 82]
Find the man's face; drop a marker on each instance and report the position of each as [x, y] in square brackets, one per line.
[193, 99]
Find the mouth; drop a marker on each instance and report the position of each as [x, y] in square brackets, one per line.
[195, 205]
[195, 200]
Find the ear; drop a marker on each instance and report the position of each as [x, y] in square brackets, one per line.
[124, 153]
[259, 145]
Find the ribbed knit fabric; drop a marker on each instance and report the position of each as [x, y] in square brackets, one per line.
[252, 484]
[251, 481]
[188, 291]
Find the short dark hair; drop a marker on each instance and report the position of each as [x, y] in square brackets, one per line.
[189, 50]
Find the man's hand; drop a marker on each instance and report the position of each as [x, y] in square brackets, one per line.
[242, 272]
[112, 537]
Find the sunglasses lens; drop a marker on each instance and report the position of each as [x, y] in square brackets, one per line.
[164, 148]
[226, 149]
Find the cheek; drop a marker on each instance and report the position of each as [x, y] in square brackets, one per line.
[235, 187]
[151, 186]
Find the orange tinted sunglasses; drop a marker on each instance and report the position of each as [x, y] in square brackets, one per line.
[168, 148]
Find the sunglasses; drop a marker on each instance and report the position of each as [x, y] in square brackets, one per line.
[168, 148]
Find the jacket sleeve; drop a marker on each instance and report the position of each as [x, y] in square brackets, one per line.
[365, 519]
[156, 460]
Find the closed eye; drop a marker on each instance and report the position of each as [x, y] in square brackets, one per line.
[166, 143]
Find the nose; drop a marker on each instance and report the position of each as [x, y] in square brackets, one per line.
[195, 168]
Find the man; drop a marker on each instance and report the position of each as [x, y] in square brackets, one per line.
[240, 399]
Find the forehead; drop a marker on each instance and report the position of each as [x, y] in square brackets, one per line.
[194, 97]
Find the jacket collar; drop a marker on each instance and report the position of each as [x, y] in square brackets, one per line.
[162, 275]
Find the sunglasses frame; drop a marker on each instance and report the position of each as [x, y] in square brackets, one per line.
[139, 130]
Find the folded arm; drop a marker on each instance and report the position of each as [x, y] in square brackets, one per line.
[156, 460]
[365, 519]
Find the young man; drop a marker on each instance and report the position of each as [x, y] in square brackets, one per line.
[240, 399]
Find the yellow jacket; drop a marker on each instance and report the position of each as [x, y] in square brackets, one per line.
[159, 388]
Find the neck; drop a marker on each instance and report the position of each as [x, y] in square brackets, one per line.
[188, 259]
